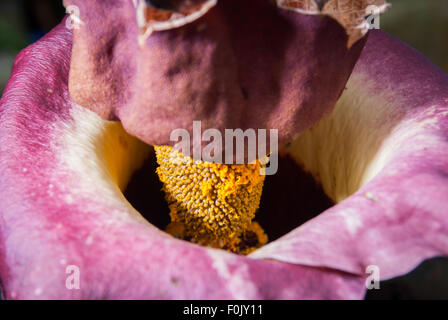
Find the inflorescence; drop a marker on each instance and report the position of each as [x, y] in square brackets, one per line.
[212, 204]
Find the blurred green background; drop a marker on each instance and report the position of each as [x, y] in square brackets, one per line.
[421, 23]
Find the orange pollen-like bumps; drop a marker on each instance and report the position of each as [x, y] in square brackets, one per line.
[212, 204]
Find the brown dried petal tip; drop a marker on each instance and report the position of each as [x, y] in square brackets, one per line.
[351, 14]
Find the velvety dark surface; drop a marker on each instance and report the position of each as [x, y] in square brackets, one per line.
[145, 195]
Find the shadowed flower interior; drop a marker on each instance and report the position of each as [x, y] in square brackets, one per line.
[289, 197]
[208, 71]
[315, 172]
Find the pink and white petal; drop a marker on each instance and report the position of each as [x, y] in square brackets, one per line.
[382, 155]
[61, 205]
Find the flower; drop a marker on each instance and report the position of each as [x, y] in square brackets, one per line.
[380, 154]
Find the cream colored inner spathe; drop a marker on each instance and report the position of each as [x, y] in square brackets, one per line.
[101, 158]
[348, 148]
